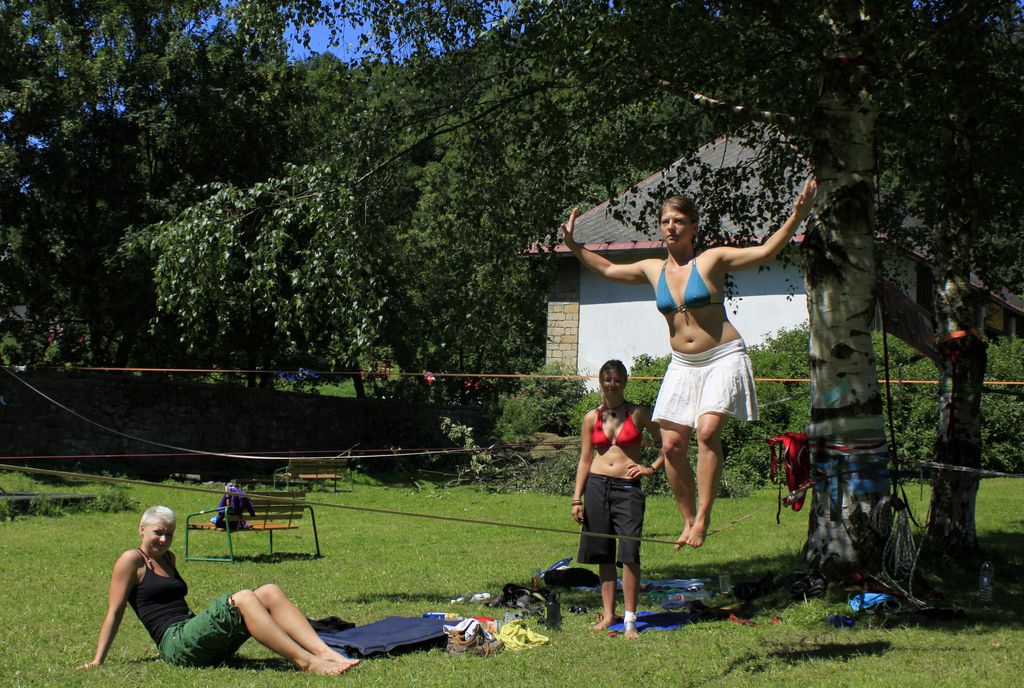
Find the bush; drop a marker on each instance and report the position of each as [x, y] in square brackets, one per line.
[115, 499]
[541, 404]
[511, 469]
[42, 505]
[1002, 408]
[784, 407]
[112, 499]
[915, 407]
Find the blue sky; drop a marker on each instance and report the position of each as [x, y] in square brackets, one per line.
[319, 38]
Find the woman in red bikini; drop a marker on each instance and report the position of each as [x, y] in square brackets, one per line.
[709, 379]
[608, 497]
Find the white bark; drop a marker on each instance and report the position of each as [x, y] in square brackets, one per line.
[845, 533]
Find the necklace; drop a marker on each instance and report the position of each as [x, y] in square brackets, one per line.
[614, 411]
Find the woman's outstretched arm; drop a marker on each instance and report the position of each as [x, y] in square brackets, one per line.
[625, 273]
[731, 258]
[122, 580]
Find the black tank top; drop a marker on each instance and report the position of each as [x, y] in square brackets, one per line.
[159, 601]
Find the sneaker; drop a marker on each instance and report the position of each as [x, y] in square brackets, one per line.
[476, 643]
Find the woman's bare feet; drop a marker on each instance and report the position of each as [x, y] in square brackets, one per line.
[604, 621]
[693, 535]
[337, 656]
[330, 664]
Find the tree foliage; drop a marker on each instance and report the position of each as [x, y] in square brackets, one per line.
[114, 114]
[283, 265]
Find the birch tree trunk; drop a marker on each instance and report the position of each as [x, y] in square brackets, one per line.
[846, 428]
[959, 333]
[951, 525]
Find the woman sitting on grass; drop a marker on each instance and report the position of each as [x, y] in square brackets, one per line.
[146, 578]
[609, 475]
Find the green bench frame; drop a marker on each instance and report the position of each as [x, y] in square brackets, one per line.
[274, 511]
[307, 471]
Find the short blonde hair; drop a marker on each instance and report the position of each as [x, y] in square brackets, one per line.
[159, 514]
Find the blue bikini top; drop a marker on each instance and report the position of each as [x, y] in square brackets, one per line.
[695, 295]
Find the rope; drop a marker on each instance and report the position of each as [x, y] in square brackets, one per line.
[390, 453]
[351, 507]
[981, 472]
[184, 451]
[267, 456]
[371, 374]
[899, 558]
[283, 455]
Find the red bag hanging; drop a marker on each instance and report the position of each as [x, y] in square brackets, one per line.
[792, 449]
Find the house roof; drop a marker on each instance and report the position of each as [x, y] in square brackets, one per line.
[629, 222]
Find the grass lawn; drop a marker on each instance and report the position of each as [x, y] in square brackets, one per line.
[55, 573]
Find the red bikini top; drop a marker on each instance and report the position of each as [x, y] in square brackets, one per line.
[628, 435]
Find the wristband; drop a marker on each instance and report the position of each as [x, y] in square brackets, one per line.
[577, 502]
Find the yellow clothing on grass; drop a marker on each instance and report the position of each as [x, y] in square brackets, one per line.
[517, 636]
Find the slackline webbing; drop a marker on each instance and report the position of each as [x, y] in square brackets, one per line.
[351, 507]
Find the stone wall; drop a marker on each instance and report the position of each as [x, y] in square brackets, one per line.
[197, 416]
[564, 316]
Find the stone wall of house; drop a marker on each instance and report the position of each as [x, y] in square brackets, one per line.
[106, 416]
[564, 316]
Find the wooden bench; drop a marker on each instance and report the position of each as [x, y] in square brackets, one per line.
[274, 511]
[308, 471]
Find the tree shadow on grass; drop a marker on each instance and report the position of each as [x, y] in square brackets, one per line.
[757, 662]
[750, 570]
[431, 599]
[264, 664]
[234, 662]
[955, 607]
[274, 558]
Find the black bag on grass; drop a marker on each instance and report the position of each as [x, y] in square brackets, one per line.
[574, 577]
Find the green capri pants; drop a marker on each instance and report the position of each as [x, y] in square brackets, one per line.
[206, 639]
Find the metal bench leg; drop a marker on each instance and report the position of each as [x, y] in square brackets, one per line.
[316, 538]
[227, 530]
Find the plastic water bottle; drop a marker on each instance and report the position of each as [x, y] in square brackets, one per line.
[680, 598]
[537, 581]
[553, 616]
[986, 578]
[725, 584]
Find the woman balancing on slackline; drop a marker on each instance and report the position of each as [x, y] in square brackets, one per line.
[709, 378]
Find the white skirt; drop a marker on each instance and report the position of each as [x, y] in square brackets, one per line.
[719, 380]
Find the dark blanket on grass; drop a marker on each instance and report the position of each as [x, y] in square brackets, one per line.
[659, 621]
[391, 635]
